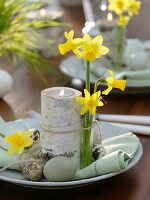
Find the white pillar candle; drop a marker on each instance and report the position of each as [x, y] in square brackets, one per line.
[60, 114]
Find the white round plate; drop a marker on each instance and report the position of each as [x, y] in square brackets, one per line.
[17, 178]
[75, 68]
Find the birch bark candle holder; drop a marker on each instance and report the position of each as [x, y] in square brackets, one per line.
[61, 123]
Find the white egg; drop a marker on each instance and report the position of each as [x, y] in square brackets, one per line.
[6, 83]
[138, 60]
[60, 169]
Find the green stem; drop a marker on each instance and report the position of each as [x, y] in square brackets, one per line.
[88, 76]
[86, 123]
[119, 47]
[2, 135]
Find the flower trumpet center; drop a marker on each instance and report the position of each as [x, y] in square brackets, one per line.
[92, 103]
[18, 141]
[120, 5]
[90, 56]
[64, 48]
[69, 46]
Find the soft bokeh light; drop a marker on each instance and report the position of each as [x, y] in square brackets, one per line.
[42, 12]
[110, 17]
[88, 27]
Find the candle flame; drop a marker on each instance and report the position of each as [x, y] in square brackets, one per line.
[110, 17]
[62, 92]
[42, 12]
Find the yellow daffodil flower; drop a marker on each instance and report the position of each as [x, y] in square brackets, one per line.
[93, 49]
[119, 6]
[71, 44]
[123, 20]
[89, 102]
[134, 7]
[112, 83]
[19, 141]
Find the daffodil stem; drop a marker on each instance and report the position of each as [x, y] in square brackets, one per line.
[97, 83]
[88, 76]
[2, 135]
[87, 122]
[119, 47]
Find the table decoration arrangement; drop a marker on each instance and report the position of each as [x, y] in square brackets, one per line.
[134, 55]
[91, 49]
[14, 174]
[58, 145]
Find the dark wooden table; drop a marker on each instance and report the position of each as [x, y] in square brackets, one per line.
[25, 95]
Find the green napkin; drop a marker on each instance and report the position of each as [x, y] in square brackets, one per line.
[120, 150]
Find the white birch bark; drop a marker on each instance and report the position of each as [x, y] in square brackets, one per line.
[60, 115]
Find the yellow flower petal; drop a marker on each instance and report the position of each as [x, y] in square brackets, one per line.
[134, 7]
[77, 43]
[92, 110]
[19, 141]
[78, 53]
[71, 44]
[87, 94]
[112, 83]
[111, 73]
[66, 47]
[109, 80]
[106, 92]
[20, 151]
[123, 20]
[89, 55]
[28, 142]
[104, 50]
[92, 49]
[96, 95]
[119, 6]
[87, 39]
[12, 150]
[84, 109]
[26, 134]
[69, 36]
[81, 100]
[15, 139]
[7, 138]
[120, 84]
[98, 40]
[100, 103]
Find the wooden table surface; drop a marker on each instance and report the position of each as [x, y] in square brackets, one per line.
[25, 95]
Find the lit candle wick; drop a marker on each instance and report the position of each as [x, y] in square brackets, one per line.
[62, 92]
[110, 17]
